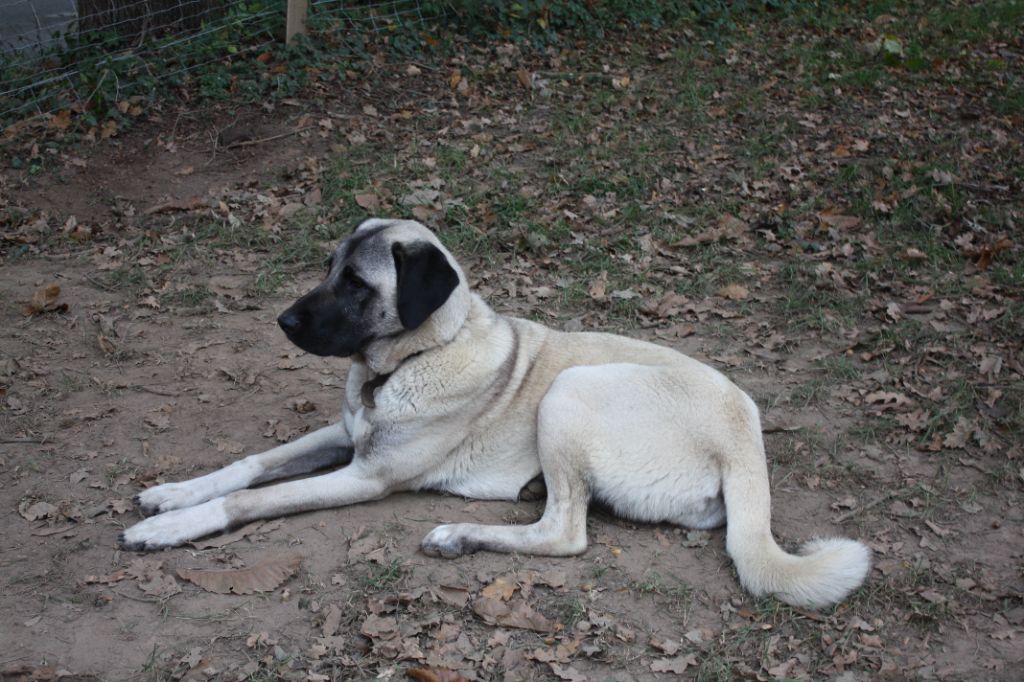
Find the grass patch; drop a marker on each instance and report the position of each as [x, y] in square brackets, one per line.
[384, 577]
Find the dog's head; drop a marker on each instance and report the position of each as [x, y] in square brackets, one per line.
[383, 282]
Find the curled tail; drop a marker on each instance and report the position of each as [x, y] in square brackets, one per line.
[824, 571]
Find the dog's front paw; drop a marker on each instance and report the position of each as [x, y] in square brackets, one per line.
[449, 541]
[174, 528]
[169, 496]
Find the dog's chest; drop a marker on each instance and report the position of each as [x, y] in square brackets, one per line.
[358, 426]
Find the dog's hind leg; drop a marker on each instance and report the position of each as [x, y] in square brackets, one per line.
[564, 449]
[329, 446]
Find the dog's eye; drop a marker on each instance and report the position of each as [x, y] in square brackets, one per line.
[353, 280]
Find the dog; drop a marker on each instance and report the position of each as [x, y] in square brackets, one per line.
[444, 394]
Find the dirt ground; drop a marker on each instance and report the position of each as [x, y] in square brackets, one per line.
[888, 370]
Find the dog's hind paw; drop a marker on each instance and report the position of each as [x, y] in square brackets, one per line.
[449, 541]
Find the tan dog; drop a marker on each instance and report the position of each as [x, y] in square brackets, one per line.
[444, 394]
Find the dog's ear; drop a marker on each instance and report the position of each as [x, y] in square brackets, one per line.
[425, 281]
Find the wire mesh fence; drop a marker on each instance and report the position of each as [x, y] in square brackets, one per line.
[92, 56]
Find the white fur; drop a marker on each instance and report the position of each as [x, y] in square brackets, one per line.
[178, 526]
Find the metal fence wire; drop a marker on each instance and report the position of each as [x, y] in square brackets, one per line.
[61, 54]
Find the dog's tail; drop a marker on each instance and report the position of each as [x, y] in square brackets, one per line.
[823, 572]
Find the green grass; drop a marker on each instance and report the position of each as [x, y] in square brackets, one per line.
[384, 577]
[670, 592]
[197, 296]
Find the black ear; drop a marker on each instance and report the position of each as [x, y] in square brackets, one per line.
[425, 281]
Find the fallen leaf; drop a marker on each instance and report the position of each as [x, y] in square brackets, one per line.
[302, 405]
[734, 292]
[677, 665]
[332, 619]
[729, 227]
[434, 675]
[782, 670]
[961, 433]
[33, 511]
[670, 646]
[44, 300]
[263, 577]
[420, 197]
[502, 589]
[144, 569]
[452, 596]
[375, 626]
[161, 586]
[567, 672]
[514, 614]
[190, 204]
[368, 201]
[840, 222]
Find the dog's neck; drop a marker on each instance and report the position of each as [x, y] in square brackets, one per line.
[383, 356]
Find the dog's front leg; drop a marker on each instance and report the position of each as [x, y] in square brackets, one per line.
[355, 483]
[329, 446]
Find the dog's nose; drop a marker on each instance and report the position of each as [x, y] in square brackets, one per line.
[289, 321]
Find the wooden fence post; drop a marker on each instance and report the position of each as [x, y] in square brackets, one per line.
[295, 23]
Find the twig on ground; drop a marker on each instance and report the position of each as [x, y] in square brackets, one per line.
[249, 143]
[858, 510]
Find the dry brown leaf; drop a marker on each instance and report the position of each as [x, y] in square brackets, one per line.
[144, 569]
[734, 292]
[677, 665]
[552, 578]
[375, 626]
[514, 614]
[840, 222]
[302, 405]
[190, 204]
[960, 435]
[332, 619]
[33, 511]
[434, 675]
[44, 300]
[263, 577]
[729, 227]
[567, 672]
[161, 586]
[452, 596]
[502, 588]
[368, 201]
